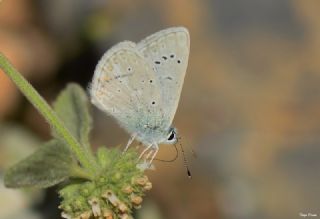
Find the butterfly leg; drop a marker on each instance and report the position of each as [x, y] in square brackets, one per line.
[144, 165]
[129, 142]
[149, 154]
[154, 154]
[145, 150]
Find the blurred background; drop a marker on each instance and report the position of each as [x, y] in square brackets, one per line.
[250, 105]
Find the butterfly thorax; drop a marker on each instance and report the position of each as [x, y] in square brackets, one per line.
[152, 133]
[157, 135]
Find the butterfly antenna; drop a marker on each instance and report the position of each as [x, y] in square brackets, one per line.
[185, 162]
[192, 151]
[194, 154]
[176, 156]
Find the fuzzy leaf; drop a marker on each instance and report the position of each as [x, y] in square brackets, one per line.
[48, 166]
[72, 106]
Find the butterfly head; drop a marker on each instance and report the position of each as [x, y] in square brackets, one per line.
[172, 136]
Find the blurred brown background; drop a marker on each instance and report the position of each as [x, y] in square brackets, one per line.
[250, 105]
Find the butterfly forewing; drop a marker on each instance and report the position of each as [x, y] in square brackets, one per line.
[126, 87]
[168, 53]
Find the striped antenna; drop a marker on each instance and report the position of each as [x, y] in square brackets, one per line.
[185, 161]
[194, 154]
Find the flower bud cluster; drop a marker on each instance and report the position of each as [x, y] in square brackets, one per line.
[113, 194]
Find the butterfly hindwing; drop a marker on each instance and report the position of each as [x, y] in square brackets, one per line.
[125, 86]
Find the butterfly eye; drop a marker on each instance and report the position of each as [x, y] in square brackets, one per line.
[171, 136]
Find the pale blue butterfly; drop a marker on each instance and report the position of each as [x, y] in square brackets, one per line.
[140, 85]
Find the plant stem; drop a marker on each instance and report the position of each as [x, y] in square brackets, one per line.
[78, 172]
[87, 161]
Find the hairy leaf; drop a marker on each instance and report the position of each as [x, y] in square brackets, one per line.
[72, 106]
[48, 166]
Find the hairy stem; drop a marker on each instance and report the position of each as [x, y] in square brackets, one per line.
[78, 172]
[86, 159]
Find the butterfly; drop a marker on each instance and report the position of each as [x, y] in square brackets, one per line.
[140, 86]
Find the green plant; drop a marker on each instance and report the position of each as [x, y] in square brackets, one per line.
[105, 184]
